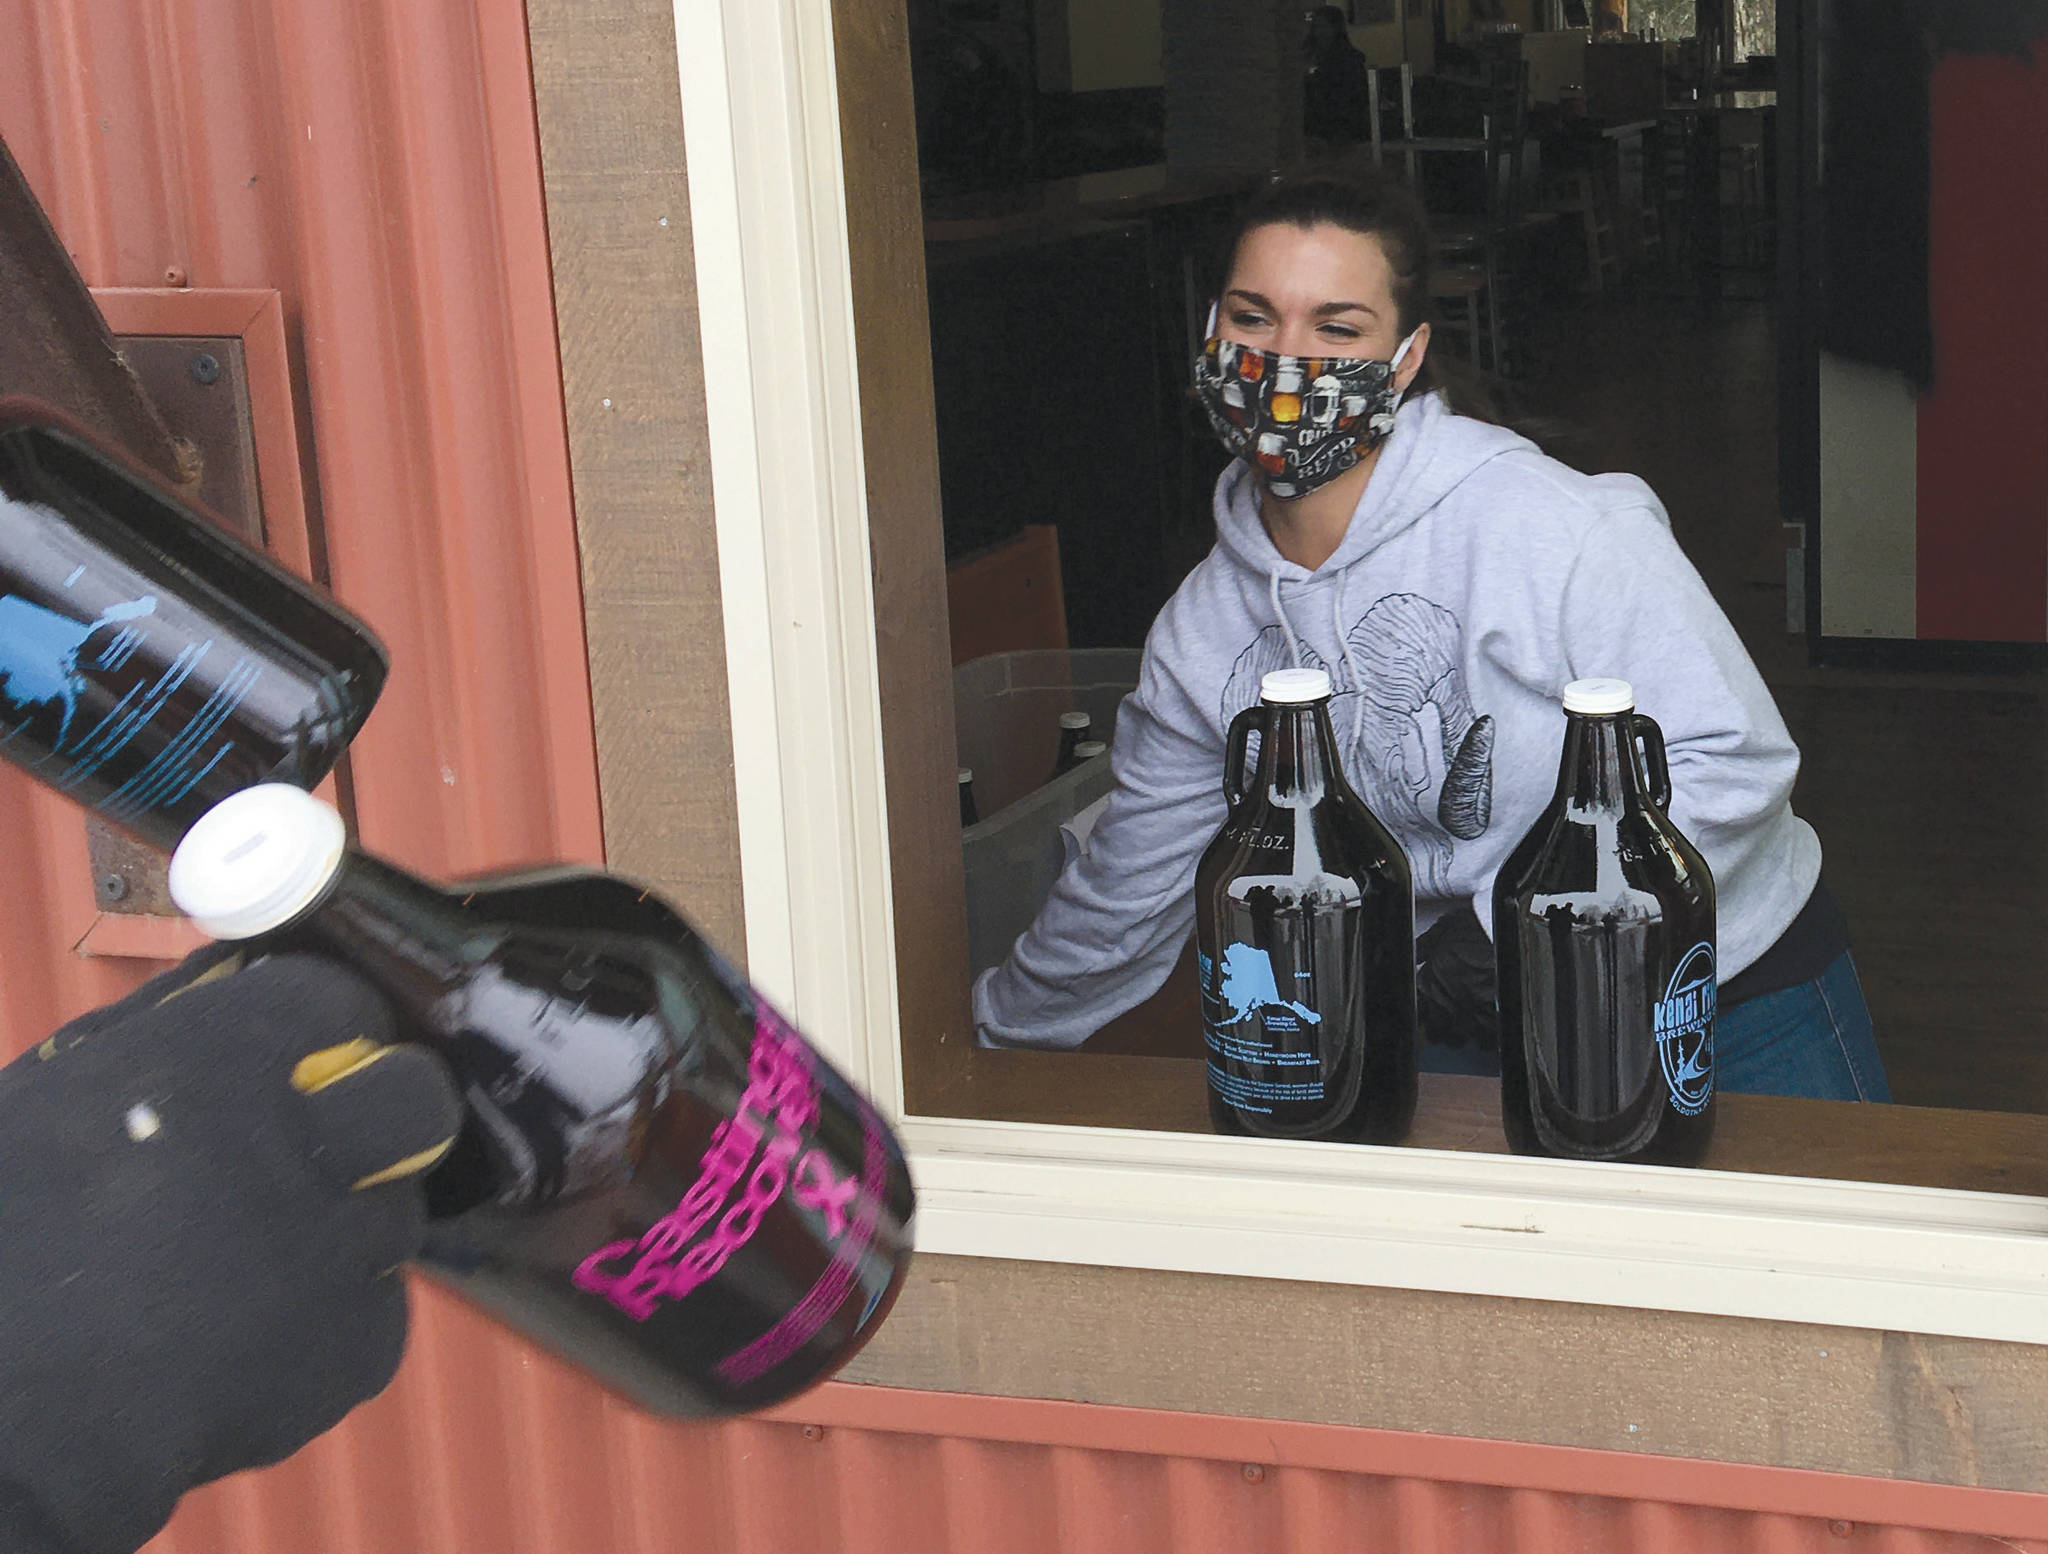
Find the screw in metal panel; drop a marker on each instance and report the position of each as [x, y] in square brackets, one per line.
[205, 368]
[113, 887]
[1254, 1474]
[1841, 1529]
[814, 1432]
[174, 276]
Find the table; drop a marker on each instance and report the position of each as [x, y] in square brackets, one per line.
[1093, 198]
[1742, 100]
[1917, 1146]
[1152, 1077]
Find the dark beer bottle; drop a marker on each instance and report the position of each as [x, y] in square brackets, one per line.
[657, 1177]
[1074, 732]
[1304, 938]
[970, 813]
[150, 662]
[1603, 932]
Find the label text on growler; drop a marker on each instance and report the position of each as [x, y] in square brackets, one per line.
[753, 1157]
[1685, 1030]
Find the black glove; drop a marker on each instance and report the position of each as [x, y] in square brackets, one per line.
[1454, 983]
[206, 1191]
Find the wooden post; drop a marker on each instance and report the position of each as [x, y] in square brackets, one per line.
[55, 346]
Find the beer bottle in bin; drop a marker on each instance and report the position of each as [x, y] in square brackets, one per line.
[150, 662]
[970, 813]
[1304, 938]
[1603, 932]
[1074, 732]
[657, 1176]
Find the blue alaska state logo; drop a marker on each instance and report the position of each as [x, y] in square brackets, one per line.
[1248, 988]
[44, 658]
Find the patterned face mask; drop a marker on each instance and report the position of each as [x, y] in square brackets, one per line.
[1301, 421]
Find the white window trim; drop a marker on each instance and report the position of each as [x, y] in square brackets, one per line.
[767, 213]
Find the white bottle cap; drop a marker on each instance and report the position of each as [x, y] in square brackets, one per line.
[1089, 749]
[964, 776]
[1293, 686]
[1599, 696]
[256, 860]
[1075, 720]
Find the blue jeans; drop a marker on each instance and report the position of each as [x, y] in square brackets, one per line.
[1813, 1040]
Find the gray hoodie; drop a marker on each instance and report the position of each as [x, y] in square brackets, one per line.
[1478, 577]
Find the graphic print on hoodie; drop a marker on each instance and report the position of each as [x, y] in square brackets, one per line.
[1477, 577]
[1407, 681]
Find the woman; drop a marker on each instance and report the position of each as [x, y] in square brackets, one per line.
[1336, 101]
[1452, 579]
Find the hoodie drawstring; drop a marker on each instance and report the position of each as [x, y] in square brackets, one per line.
[1337, 602]
[1350, 663]
[1280, 616]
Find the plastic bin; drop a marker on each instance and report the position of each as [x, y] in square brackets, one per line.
[1006, 713]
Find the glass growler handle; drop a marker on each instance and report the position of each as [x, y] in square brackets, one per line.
[1241, 728]
[1653, 769]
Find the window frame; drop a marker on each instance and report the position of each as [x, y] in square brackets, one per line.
[769, 223]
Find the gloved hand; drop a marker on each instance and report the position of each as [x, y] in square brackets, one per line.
[206, 1191]
[1454, 983]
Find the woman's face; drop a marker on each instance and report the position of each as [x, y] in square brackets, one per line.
[1316, 291]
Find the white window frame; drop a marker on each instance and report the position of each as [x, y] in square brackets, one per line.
[768, 217]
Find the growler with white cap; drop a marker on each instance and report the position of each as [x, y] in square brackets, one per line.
[151, 663]
[1304, 938]
[1603, 932]
[657, 1177]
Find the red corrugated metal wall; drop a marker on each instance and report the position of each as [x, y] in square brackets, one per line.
[862, 1470]
[374, 161]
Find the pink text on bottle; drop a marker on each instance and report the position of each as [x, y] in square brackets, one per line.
[753, 1157]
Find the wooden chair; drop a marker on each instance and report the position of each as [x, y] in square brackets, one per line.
[1458, 289]
[1374, 111]
[1583, 197]
[1669, 187]
[1650, 230]
[1742, 191]
[1480, 261]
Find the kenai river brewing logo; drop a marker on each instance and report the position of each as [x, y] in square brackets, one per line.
[1685, 1031]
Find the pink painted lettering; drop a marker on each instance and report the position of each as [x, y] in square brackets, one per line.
[634, 1291]
[821, 1188]
[778, 1106]
[808, 1317]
